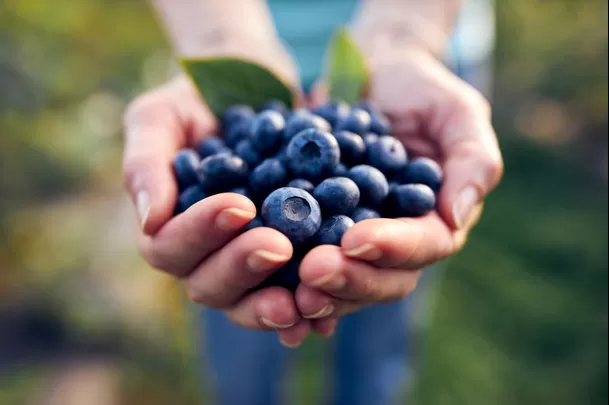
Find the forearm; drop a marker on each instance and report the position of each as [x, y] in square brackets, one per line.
[203, 27]
[381, 25]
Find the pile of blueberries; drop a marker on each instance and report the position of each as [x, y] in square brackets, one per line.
[311, 173]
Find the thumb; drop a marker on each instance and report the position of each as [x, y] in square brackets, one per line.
[473, 164]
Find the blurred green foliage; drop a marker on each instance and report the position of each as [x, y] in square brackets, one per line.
[521, 314]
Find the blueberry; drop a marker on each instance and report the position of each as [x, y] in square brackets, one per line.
[293, 212]
[363, 213]
[300, 121]
[286, 277]
[244, 191]
[254, 223]
[370, 138]
[380, 124]
[333, 111]
[340, 170]
[352, 147]
[303, 184]
[372, 184]
[423, 171]
[221, 172]
[388, 155]
[238, 131]
[312, 154]
[210, 146]
[366, 106]
[409, 200]
[267, 131]
[392, 185]
[358, 121]
[337, 195]
[275, 105]
[185, 168]
[190, 197]
[245, 150]
[332, 230]
[268, 176]
[235, 114]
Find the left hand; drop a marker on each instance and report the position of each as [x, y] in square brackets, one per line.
[435, 114]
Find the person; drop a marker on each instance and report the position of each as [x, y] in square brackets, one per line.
[356, 291]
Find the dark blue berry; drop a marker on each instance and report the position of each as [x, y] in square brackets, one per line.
[370, 138]
[275, 105]
[245, 150]
[332, 230]
[300, 121]
[210, 146]
[312, 154]
[185, 167]
[423, 171]
[267, 132]
[238, 131]
[303, 184]
[244, 191]
[268, 176]
[358, 121]
[409, 200]
[363, 213]
[235, 114]
[222, 172]
[388, 155]
[352, 147]
[286, 277]
[372, 184]
[380, 124]
[366, 106]
[340, 170]
[337, 195]
[293, 212]
[190, 197]
[254, 223]
[333, 111]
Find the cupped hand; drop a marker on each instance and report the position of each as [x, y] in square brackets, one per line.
[204, 246]
[435, 114]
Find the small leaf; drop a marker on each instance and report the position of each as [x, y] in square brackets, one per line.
[224, 82]
[346, 69]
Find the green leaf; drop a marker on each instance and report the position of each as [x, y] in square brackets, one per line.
[224, 82]
[346, 69]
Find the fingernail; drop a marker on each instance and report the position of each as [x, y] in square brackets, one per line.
[233, 218]
[464, 205]
[365, 252]
[142, 205]
[262, 260]
[325, 311]
[270, 324]
[289, 345]
[332, 281]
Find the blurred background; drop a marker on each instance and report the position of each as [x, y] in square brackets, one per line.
[520, 316]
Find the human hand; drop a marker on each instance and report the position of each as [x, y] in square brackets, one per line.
[435, 114]
[203, 246]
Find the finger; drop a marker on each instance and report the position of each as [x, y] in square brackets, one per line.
[271, 308]
[193, 235]
[245, 262]
[315, 304]
[318, 94]
[407, 243]
[294, 336]
[473, 164]
[324, 327]
[154, 131]
[327, 269]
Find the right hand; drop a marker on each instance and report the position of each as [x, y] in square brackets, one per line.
[203, 246]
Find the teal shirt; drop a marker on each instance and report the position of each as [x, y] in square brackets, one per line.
[306, 27]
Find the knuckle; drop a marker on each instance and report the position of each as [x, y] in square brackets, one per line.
[153, 257]
[494, 168]
[142, 107]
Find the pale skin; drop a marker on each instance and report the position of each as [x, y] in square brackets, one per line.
[434, 113]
